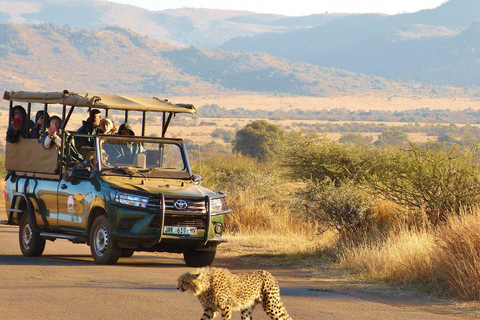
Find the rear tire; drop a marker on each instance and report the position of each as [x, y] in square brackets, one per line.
[104, 249]
[127, 253]
[194, 258]
[31, 243]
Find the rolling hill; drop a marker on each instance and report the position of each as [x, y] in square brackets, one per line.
[203, 28]
[113, 59]
[436, 46]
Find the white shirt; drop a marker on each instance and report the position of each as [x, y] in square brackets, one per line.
[48, 141]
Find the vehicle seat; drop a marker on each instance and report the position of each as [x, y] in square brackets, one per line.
[140, 160]
[89, 154]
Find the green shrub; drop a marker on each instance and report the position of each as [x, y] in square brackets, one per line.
[316, 157]
[260, 139]
[434, 179]
[341, 206]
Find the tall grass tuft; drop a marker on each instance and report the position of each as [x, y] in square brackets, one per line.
[404, 256]
[459, 256]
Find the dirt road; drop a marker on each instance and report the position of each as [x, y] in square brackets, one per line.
[65, 284]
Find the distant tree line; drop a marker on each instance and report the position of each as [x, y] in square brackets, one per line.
[424, 115]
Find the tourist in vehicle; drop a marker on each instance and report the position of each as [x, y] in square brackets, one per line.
[37, 131]
[18, 124]
[125, 130]
[53, 137]
[108, 126]
[90, 126]
[128, 151]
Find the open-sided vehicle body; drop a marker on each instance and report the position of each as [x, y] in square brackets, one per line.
[130, 193]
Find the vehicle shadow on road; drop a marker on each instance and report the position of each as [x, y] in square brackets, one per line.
[86, 260]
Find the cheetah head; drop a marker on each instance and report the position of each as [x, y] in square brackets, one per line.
[192, 281]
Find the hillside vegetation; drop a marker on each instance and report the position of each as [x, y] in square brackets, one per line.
[47, 57]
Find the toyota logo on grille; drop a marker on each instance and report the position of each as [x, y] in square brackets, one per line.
[180, 204]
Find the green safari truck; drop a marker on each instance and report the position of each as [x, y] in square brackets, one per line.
[147, 201]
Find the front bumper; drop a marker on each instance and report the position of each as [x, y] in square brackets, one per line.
[143, 229]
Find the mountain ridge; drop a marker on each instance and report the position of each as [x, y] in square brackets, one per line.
[114, 59]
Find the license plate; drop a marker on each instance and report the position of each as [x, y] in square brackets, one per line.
[180, 230]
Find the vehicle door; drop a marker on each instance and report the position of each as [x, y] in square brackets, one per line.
[46, 205]
[75, 191]
[74, 198]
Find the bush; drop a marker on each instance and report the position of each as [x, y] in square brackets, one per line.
[342, 207]
[257, 194]
[433, 179]
[315, 157]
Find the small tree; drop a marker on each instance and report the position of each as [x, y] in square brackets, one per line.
[316, 157]
[392, 137]
[260, 139]
[434, 178]
[355, 139]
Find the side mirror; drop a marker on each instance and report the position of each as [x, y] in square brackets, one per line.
[82, 174]
[196, 178]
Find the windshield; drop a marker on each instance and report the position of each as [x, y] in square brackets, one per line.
[141, 154]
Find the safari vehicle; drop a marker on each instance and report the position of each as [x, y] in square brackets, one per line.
[149, 201]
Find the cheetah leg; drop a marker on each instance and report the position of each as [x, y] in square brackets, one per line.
[274, 308]
[227, 313]
[247, 313]
[208, 314]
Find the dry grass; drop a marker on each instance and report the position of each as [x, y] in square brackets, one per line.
[445, 259]
[368, 101]
[404, 257]
[459, 254]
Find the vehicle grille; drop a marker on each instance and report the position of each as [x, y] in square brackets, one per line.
[179, 222]
[194, 205]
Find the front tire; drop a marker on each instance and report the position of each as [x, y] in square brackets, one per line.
[104, 249]
[194, 258]
[31, 243]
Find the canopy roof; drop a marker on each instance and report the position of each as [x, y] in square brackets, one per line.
[100, 101]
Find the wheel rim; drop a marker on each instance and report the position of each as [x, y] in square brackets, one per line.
[27, 236]
[101, 240]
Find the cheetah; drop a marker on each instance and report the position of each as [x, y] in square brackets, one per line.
[219, 290]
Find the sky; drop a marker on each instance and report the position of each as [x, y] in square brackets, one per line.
[293, 7]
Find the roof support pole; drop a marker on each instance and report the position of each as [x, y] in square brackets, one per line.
[62, 147]
[29, 111]
[64, 124]
[45, 108]
[165, 127]
[10, 112]
[143, 123]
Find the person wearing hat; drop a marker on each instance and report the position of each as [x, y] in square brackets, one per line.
[108, 126]
[129, 149]
[37, 131]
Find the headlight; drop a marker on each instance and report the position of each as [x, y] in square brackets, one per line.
[129, 199]
[216, 205]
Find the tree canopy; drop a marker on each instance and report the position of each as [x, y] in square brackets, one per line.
[260, 139]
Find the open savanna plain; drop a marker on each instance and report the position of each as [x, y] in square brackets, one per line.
[199, 129]
[263, 235]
